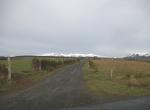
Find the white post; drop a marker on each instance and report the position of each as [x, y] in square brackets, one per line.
[9, 69]
[88, 65]
[111, 74]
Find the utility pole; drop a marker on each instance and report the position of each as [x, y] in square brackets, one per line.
[9, 69]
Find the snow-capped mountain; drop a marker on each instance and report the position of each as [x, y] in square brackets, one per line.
[139, 56]
[70, 55]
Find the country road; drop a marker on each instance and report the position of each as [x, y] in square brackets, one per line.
[65, 90]
[62, 90]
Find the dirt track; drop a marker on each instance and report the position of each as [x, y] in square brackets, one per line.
[62, 90]
[65, 90]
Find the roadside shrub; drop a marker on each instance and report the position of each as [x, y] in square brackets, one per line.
[49, 65]
[44, 64]
[3, 72]
[60, 62]
[69, 61]
[53, 63]
[36, 64]
[92, 65]
[128, 76]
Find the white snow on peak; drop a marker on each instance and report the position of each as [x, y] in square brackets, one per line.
[139, 54]
[71, 55]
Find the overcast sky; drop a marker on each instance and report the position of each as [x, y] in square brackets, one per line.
[104, 27]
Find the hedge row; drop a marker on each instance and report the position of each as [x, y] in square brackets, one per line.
[48, 64]
[3, 71]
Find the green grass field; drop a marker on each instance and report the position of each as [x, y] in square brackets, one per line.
[115, 79]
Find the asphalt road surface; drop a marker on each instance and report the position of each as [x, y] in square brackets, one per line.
[65, 90]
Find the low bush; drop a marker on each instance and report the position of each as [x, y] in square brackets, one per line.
[69, 61]
[36, 64]
[3, 72]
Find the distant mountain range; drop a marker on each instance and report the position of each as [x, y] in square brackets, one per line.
[138, 56]
[134, 56]
[70, 55]
[57, 55]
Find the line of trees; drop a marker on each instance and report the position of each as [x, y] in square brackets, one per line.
[45, 64]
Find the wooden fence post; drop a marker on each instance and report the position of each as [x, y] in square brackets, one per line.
[111, 74]
[9, 69]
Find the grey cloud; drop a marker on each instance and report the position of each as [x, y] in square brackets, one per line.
[104, 27]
